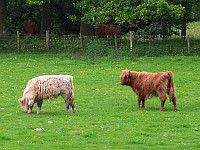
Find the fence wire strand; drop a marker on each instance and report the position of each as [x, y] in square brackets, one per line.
[97, 47]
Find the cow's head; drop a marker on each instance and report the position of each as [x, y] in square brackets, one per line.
[125, 77]
[24, 104]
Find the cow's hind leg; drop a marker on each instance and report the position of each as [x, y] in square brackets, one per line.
[174, 102]
[163, 99]
[30, 106]
[65, 97]
[71, 101]
[73, 107]
[39, 103]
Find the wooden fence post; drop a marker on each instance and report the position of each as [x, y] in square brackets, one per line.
[18, 40]
[131, 40]
[81, 40]
[115, 42]
[47, 40]
[188, 41]
[150, 41]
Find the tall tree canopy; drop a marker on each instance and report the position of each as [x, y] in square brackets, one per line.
[160, 11]
[135, 12]
[64, 10]
[131, 15]
[58, 15]
[192, 8]
[19, 12]
[3, 25]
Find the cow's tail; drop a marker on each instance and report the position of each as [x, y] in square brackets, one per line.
[72, 96]
[172, 95]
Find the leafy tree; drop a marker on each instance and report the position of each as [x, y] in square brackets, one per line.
[133, 13]
[19, 12]
[192, 8]
[2, 18]
[107, 11]
[160, 11]
[65, 11]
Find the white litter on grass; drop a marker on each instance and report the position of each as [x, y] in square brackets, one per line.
[38, 129]
[2, 108]
[50, 121]
[97, 89]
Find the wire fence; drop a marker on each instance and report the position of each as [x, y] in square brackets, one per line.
[129, 45]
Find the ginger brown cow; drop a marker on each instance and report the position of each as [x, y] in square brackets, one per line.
[103, 30]
[29, 28]
[147, 85]
[47, 87]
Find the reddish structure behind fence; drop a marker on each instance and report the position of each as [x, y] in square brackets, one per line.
[29, 28]
[104, 30]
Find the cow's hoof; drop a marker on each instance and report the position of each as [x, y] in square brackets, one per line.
[74, 110]
[175, 108]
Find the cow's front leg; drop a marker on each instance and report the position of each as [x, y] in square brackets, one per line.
[30, 106]
[39, 103]
[140, 98]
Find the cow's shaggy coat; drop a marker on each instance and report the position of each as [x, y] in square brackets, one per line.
[29, 28]
[104, 30]
[147, 85]
[47, 87]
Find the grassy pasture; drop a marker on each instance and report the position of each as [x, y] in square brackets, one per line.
[193, 28]
[106, 117]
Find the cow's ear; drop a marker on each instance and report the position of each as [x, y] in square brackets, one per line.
[123, 74]
[20, 100]
[129, 73]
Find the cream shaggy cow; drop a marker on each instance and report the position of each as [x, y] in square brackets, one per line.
[47, 87]
[146, 85]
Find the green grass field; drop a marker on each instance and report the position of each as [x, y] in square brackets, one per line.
[107, 116]
[193, 28]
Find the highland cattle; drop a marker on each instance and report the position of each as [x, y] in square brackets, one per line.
[147, 85]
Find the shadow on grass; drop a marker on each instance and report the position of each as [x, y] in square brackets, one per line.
[157, 109]
[47, 113]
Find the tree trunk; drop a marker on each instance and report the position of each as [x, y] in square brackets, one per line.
[46, 18]
[64, 18]
[85, 29]
[183, 28]
[2, 19]
[164, 29]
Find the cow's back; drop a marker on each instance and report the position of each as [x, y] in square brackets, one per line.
[29, 28]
